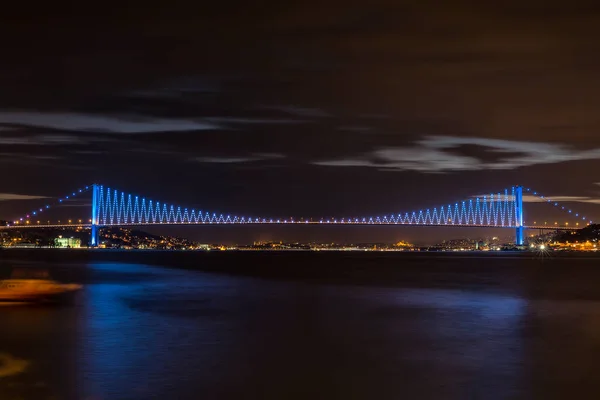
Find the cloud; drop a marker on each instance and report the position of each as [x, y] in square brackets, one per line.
[19, 141]
[233, 160]
[127, 124]
[12, 196]
[562, 199]
[225, 160]
[100, 123]
[529, 153]
[252, 121]
[442, 154]
[549, 199]
[41, 140]
[408, 159]
[345, 163]
[29, 159]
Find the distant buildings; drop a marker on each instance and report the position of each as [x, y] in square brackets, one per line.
[400, 246]
[576, 246]
[586, 239]
[69, 243]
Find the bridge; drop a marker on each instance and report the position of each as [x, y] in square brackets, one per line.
[111, 207]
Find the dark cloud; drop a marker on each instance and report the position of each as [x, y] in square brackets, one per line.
[437, 154]
[242, 159]
[13, 196]
[100, 123]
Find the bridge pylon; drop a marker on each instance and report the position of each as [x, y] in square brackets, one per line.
[95, 231]
[520, 233]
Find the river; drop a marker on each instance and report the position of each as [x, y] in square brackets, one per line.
[227, 325]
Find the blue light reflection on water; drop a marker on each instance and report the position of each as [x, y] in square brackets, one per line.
[191, 332]
[132, 345]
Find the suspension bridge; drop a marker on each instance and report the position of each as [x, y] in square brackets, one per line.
[112, 207]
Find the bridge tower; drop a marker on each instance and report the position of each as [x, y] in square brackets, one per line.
[520, 234]
[95, 234]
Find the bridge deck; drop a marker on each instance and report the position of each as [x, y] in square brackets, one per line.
[283, 222]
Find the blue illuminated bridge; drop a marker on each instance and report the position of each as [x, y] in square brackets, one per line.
[111, 207]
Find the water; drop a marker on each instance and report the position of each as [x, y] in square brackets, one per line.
[347, 326]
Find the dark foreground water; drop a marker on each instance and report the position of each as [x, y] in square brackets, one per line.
[306, 326]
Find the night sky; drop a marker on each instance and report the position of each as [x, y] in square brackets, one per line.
[311, 108]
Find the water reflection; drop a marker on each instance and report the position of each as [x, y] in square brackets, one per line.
[146, 338]
[140, 332]
[232, 336]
